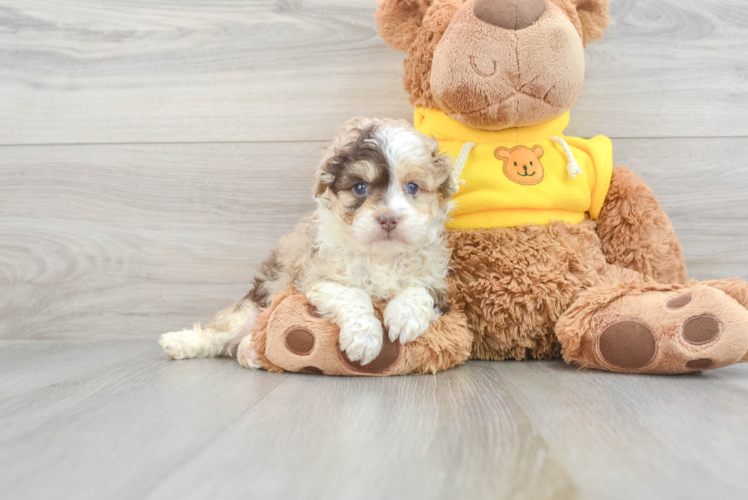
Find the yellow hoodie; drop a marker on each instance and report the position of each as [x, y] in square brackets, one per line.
[524, 175]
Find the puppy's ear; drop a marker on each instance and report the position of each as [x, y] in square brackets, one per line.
[594, 16]
[443, 165]
[330, 165]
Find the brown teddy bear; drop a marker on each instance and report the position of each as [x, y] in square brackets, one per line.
[556, 251]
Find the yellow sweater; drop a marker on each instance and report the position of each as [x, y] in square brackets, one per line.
[520, 176]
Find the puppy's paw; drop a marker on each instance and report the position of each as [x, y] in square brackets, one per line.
[407, 320]
[180, 345]
[361, 338]
[246, 354]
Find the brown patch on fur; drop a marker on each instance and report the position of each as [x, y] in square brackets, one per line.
[269, 270]
[514, 283]
[441, 303]
[636, 233]
[434, 182]
[360, 159]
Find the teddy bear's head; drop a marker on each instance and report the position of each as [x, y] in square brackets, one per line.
[493, 64]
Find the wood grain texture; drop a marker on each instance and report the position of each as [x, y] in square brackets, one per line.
[103, 71]
[135, 240]
[116, 419]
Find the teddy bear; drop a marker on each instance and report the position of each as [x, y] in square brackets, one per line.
[556, 251]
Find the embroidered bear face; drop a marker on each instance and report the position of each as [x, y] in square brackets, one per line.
[493, 64]
[522, 164]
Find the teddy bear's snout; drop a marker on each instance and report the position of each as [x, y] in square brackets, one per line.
[509, 14]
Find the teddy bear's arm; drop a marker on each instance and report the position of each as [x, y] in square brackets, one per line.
[636, 233]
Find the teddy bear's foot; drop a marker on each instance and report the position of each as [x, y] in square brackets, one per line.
[652, 328]
[291, 336]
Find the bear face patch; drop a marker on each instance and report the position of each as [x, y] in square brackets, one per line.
[522, 164]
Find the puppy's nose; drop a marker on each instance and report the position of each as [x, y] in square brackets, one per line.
[388, 222]
[509, 14]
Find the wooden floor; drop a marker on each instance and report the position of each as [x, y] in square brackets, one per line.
[113, 419]
[153, 151]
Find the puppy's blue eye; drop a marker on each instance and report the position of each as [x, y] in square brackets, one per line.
[412, 188]
[360, 189]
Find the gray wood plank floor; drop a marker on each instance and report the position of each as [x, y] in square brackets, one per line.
[153, 151]
[114, 419]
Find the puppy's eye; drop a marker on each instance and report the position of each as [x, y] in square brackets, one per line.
[361, 189]
[412, 188]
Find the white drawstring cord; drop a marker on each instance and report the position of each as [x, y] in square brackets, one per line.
[460, 164]
[573, 167]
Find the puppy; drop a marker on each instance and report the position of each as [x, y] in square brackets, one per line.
[382, 192]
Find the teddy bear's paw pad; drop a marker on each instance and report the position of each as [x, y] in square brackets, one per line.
[628, 344]
[701, 330]
[311, 370]
[700, 364]
[300, 340]
[679, 302]
[387, 358]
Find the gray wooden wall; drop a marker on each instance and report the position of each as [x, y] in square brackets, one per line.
[152, 151]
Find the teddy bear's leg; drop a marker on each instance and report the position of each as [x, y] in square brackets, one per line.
[636, 233]
[639, 326]
[291, 335]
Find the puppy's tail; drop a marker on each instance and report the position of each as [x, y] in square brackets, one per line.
[219, 338]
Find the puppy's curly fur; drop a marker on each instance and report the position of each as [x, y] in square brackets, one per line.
[377, 237]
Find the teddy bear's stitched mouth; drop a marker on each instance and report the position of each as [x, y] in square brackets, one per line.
[481, 73]
[498, 104]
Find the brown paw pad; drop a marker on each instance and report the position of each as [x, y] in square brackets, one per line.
[628, 344]
[679, 302]
[388, 356]
[312, 370]
[700, 364]
[300, 340]
[701, 330]
[313, 312]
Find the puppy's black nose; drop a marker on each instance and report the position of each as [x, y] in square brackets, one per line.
[509, 14]
[388, 222]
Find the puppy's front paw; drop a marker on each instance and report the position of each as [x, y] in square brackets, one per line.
[361, 338]
[407, 320]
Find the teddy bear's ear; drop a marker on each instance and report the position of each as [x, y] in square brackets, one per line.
[594, 17]
[398, 21]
